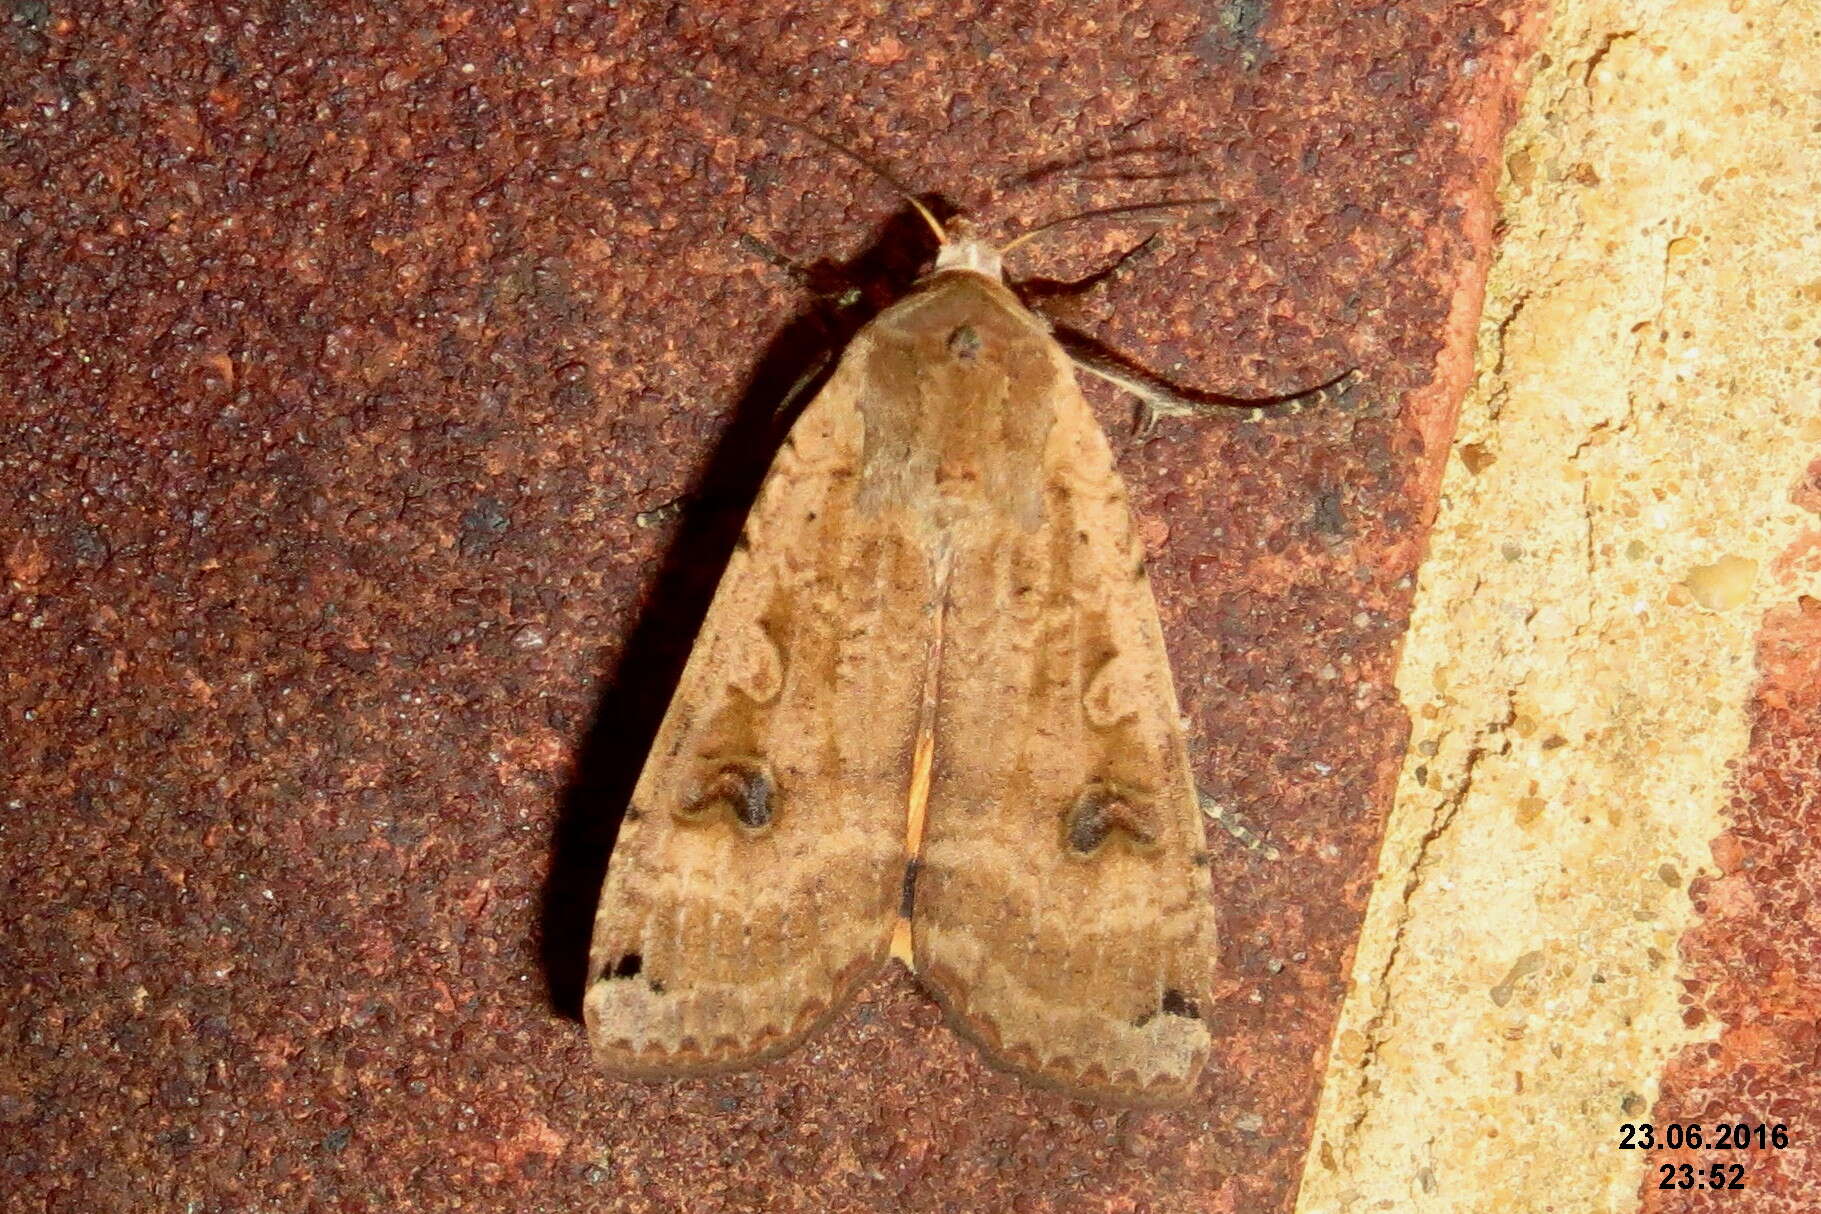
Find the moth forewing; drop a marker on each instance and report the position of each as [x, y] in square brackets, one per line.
[940, 607]
[1062, 910]
[724, 935]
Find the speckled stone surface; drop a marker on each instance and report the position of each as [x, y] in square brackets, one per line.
[381, 386]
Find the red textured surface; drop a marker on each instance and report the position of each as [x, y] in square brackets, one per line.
[352, 354]
[1752, 958]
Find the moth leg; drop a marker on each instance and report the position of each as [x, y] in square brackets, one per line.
[793, 269]
[1068, 297]
[833, 293]
[827, 286]
[1157, 398]
[1234, 824]
[809, 379]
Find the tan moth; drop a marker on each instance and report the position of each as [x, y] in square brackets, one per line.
[928, 715]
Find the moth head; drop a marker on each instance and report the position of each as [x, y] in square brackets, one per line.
[963, 249]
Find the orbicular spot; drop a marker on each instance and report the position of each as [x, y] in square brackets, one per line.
[965, 344]
[741, 789]
[1101, 812]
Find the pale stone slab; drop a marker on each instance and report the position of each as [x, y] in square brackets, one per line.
[1614, 522]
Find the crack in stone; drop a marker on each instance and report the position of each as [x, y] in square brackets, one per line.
[1601, 51]
[1374, 1029]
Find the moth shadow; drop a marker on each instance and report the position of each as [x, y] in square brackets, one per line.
[844, 296]
[1077, 165]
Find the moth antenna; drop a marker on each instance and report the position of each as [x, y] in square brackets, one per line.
[1104, 213]
[747, 106]
[878, 171]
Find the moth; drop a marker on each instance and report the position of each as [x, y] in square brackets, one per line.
[928, 715]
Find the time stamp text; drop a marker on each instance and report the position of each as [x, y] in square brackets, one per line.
[1703, 1136]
